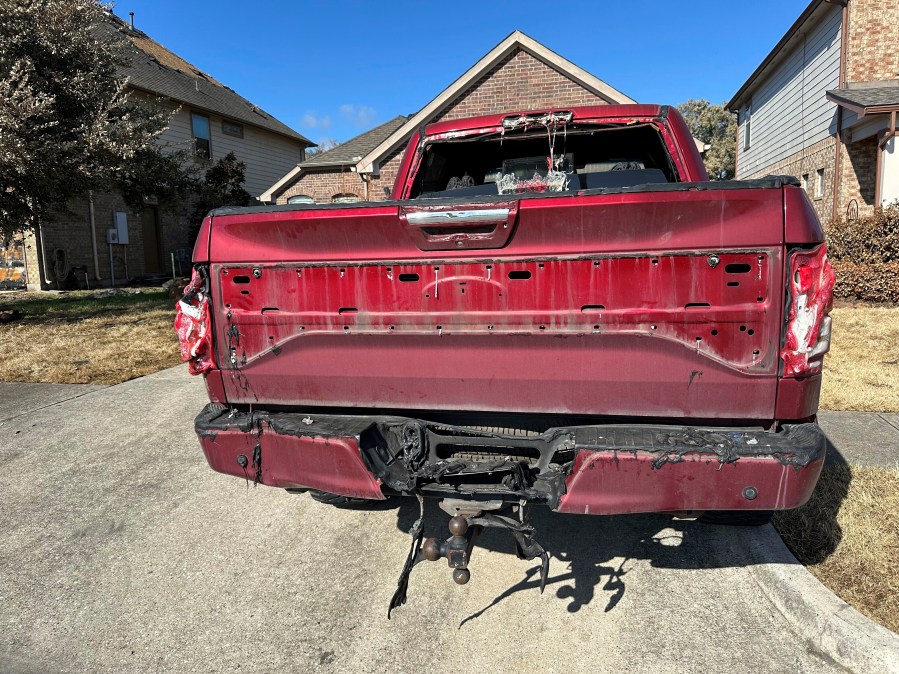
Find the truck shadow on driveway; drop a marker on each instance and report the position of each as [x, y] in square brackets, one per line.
[595, 551]
[592, 554]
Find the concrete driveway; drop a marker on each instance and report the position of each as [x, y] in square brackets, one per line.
[122, 551]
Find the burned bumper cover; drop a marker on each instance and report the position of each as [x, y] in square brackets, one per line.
[597, 469]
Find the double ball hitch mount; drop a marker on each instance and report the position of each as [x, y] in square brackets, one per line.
[468, 521]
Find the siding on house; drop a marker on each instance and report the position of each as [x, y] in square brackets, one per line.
[789, 110]
[267, 155]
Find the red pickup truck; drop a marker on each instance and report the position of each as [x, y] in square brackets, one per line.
[554, 308]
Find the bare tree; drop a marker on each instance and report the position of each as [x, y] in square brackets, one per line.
[323, 146]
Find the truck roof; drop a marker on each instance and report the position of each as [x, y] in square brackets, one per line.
[579, 112]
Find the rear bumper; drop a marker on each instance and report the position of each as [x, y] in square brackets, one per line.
[605, 469]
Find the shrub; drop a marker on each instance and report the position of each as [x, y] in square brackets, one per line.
[870, 239]
[865, 256]
[871, 282]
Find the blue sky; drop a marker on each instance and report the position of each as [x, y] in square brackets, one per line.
[335, 69]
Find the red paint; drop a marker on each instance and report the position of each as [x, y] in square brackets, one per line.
[201, 245]
[589, 374]
[215, 386]
[330, 464]
[801, 225]
[643, 258]
[798, 398]
[603, 483]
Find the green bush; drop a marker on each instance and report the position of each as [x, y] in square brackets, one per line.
[865, 256]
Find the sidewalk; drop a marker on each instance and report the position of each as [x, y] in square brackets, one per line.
[862, 438]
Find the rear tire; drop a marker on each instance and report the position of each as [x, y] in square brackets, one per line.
[337, 500]
[737, 518]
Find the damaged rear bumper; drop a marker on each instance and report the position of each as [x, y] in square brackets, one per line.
[596, 469]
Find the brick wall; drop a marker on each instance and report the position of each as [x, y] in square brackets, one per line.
[872, 50]
[390, 166]
[871, 54]
[323, 184]
[858, 168]
[71, 232]
[518, 82]
[821, 155]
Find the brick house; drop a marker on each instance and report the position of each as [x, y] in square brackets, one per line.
[822, 107]
[209, 118]
[518, 74]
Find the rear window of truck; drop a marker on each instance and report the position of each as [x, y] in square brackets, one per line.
[559, 158]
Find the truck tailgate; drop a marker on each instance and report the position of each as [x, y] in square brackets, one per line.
[659, 303]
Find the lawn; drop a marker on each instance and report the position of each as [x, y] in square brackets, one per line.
[79, 339]
[848, 533]
[861, 372]
[848, 537]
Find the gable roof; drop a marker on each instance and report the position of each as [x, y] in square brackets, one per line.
[350, 151]
[155, 69]
[516, 40]
[345, 154]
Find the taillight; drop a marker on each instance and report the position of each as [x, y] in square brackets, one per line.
[809, 300]
[194, 327]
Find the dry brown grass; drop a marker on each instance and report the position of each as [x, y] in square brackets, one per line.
[848, 536]
[861, 372]
[76, 339]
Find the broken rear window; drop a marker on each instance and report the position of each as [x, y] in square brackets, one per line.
[545, 158]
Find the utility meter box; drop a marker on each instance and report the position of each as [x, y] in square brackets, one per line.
[112, 236]
[121, 225]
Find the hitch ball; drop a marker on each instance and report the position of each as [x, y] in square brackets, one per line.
[431, 550]
[458, 525]
[461, 576]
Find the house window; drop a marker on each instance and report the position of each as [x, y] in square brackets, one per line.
[819, 184]
[747, 119]
[301, 199]
[232, 129]
[200, 125]
[344, 198]
[805, 182]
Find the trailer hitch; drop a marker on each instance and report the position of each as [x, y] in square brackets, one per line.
[469, 519]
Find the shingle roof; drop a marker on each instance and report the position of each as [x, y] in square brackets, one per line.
[351, 151]
[155, 69]
[867, 95]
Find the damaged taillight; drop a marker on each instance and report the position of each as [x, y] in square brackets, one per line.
[193, 326]
[809, 300]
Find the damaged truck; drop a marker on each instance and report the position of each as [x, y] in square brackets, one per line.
[553, 309]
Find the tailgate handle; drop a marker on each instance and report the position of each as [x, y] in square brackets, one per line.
[459, 228]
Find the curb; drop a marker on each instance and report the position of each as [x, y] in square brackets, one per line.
[817, 614]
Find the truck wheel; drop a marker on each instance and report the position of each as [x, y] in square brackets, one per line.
[336, 499]
[737, 518]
